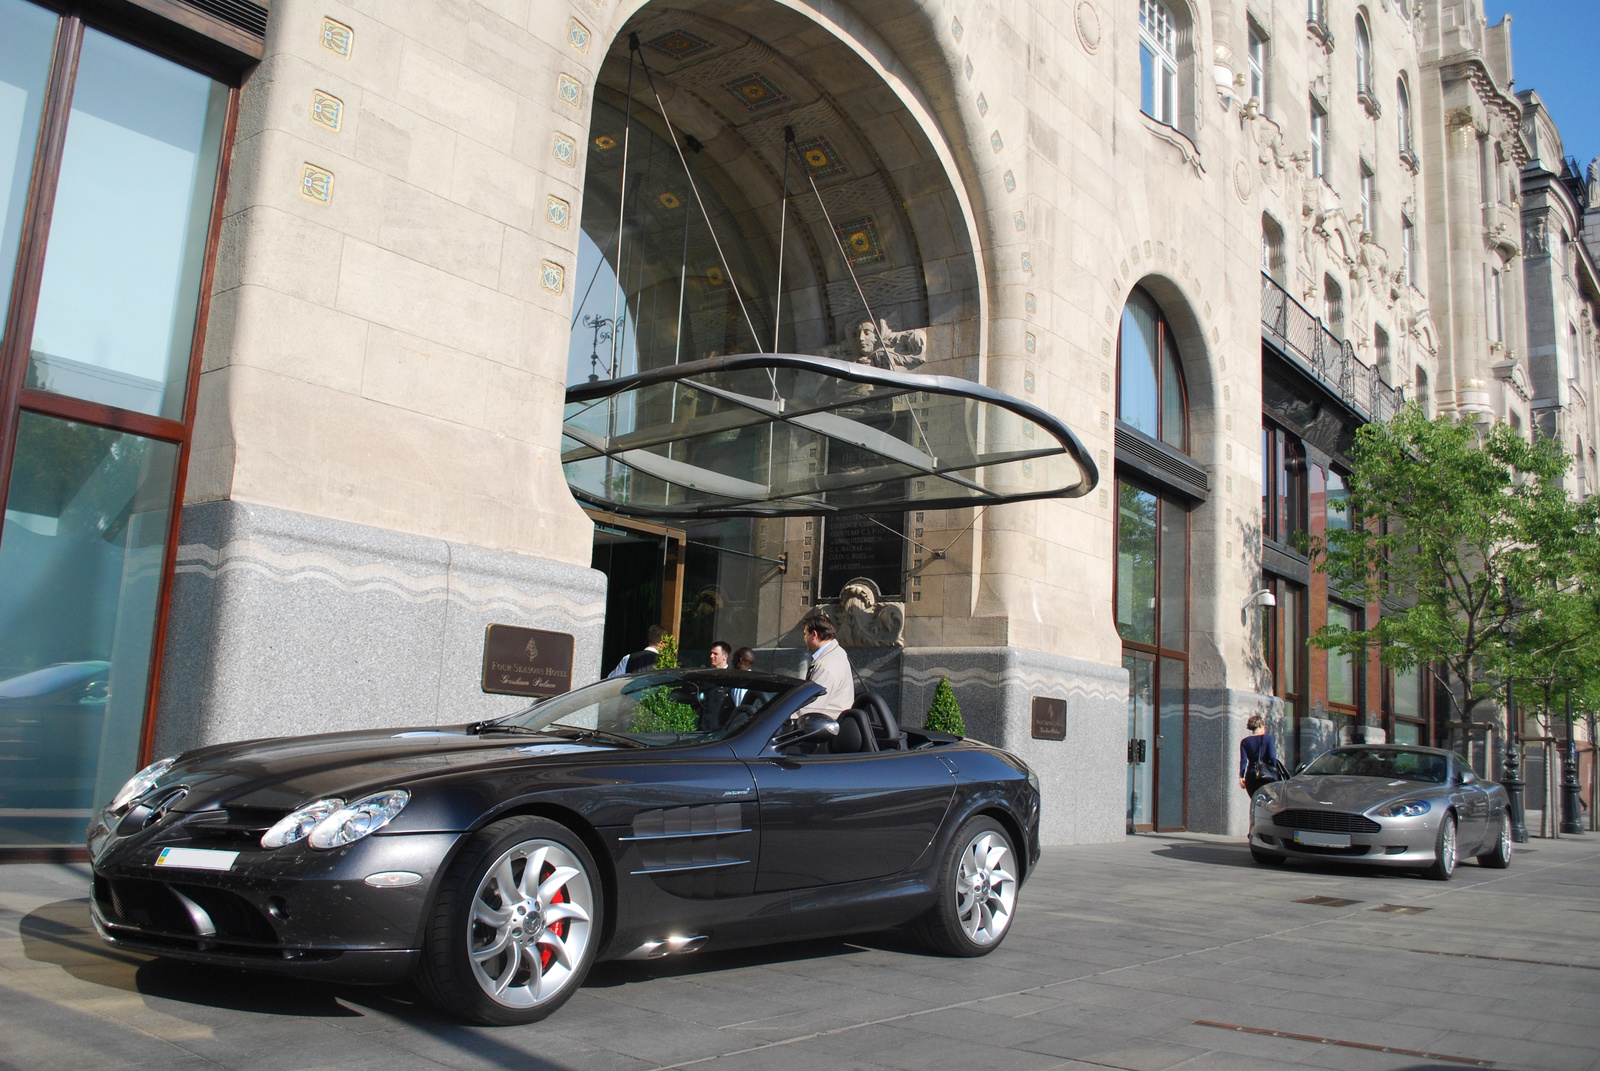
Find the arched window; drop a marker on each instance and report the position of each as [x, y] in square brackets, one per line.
[1272, 258]
[1402, 114]
[1363, 57]
[1422, 392]
[1158, 62]
[1150, 398]
[1333, 305]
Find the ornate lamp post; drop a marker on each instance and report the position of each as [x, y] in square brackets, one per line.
[1570, 805]
[1511, 777]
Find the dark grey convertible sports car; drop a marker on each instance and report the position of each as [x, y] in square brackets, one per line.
[647, 815]
[1386, 805]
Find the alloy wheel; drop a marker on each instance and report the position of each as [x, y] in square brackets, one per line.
[986, 891]
[530, 924]
[1447, 847]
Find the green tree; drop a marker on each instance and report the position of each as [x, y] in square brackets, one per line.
[1465, 540]
[944, 713]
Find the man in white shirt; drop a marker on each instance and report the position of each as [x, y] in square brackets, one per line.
[828, 666]
[640, 661]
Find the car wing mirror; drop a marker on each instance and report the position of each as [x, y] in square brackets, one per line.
[804, 728]
[1468, 777]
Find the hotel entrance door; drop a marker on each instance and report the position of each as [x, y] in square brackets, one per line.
[643, 564]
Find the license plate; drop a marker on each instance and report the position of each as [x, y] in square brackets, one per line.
[196, 858]
[1322, 840]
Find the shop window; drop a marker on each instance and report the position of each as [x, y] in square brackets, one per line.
[1283, 648]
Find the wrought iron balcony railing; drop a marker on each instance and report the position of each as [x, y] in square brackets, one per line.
[1321, 354]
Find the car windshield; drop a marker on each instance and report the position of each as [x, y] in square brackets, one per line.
[1388, 763]
[654, 709]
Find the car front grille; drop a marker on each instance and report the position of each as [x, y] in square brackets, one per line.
[1326, 821]
[1321, 849]
[151, 907]
[233, 827]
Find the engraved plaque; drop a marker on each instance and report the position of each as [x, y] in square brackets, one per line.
[1049, 718]
[869, 545]
[526, 661]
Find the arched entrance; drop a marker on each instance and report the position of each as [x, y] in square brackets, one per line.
[704, 115]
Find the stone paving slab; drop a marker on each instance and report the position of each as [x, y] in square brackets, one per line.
[1119, 951]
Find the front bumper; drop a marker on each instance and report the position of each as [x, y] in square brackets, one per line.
[293, 910]
[1399, 842]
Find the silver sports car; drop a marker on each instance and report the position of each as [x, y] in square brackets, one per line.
[1385, 805]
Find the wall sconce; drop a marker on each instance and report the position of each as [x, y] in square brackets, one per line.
[1263, 597]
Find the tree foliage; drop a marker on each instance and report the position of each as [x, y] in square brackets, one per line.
[944, 713]
[657, 711]
[1477, 558]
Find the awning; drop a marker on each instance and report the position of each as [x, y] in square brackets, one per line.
[773, 435]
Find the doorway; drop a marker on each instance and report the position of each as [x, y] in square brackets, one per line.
[644, 565]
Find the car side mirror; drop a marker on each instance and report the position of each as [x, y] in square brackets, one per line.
[1468, 777]
[804, 728]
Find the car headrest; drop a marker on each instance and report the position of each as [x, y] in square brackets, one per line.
[852, 738]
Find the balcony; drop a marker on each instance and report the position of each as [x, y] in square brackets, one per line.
[1326, 358]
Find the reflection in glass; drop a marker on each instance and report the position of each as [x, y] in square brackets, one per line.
[127, 239]
[1174, 554]
[27, 37]
[1141, 726]
[1138, 396]
[80, 576]
[1172, 744]
[1342, 667]
[1136, 564]
[1407, 693]
[1337, 509]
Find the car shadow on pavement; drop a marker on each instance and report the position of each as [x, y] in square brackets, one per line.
[624, 971]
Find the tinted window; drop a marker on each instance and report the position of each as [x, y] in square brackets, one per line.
[1389, 764]
[658, 709]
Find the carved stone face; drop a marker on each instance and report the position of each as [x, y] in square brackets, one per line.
[866, 338]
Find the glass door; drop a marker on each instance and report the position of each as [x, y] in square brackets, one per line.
[1141, 733]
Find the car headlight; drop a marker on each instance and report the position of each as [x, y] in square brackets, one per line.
[356, 820]
[1263, 798]
[298, 825]
[1033, 779]
[140, 783]
[1406, 809]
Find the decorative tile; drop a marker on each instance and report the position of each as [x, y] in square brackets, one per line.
[1104, 498]
[605, 143]
[1147, 249]
[994, 141]
[1105, 459]
[1108, 315]
[1027, 262]
[1105, 420]
[338, 38]
[1105, 351]
[1228, 421]
[679, 45]
[756, 91]
[316, 184]
[1011, 182]
[861, 243]
[570, 90]
[1030, 303]
[1124, 269]
[552, 276]
[1028, 382]
[1019, 220]
[820, 158]
[578, 36]
[1027, 466]
[564, 149]
[670, 200]
[557, 213]
[967, 67]
[326, 110]
[955, 28]
[983, 105]
[1030, 343]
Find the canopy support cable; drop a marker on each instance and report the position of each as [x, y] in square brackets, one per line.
[622, 204]
[839, 242]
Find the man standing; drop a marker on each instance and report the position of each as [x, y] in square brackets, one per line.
[640, 661]
[829, 666]
[719, 654]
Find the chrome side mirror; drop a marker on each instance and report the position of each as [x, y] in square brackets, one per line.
[804, 728]
[1468, 777]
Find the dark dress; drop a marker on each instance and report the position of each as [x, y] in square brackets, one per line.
[1254, 750]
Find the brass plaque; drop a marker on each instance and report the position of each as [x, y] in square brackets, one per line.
[526, 661]
[1049, 718]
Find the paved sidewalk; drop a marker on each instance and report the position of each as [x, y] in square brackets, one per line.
[1120, 956]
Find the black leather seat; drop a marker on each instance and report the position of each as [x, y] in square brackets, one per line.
[885, 729]
[855, 735]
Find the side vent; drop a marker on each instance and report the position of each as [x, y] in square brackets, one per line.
[240, 14]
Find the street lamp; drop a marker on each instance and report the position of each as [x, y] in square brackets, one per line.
[1570, 804]
[1511, 776]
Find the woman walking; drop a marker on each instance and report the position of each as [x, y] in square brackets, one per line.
[1258, 758]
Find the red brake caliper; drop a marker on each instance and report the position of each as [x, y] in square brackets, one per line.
[546, 954]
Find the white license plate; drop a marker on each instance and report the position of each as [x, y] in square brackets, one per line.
[196, 858]
[1322, 840]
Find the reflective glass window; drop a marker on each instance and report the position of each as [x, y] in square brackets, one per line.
[1342, 667]
[1150, 391]
[80, 568]
[121, 283]
[1171, 739]
[1136, 565]
[27, 36]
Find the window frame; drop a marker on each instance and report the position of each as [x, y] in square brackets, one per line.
[1163, 341]
[1408, 249]
[1162, 85]
[1319, 140]
[21, 313]
[1285, 499]
[1369, 199]
[1363, 56]
[1257, 58]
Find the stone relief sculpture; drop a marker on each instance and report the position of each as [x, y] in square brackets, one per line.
[1594, 181]
[882, 346]
[863, 617]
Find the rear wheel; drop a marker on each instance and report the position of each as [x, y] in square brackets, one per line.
[977, 892]
[1444, 850]
[1499, 857]
[516, 925]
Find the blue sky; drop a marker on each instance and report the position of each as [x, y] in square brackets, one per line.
[1554, 44]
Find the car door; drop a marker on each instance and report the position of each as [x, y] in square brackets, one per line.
[828, 819]
[1472, 807]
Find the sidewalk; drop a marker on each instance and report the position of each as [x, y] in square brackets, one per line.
[1122, 956]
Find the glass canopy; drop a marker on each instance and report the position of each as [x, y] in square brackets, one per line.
[771, 435]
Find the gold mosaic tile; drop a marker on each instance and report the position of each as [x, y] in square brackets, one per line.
[337, 37]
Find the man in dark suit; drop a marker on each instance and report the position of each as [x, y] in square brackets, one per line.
[640, 661]
[718, 703]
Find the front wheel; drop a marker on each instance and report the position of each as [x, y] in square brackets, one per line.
[1499, 857]
[977, 887]
[1444, 850]
[516, 925]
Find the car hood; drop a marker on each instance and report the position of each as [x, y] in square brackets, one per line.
[1347, 793]
[286, 772]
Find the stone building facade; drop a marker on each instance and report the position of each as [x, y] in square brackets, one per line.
[1144, 218]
